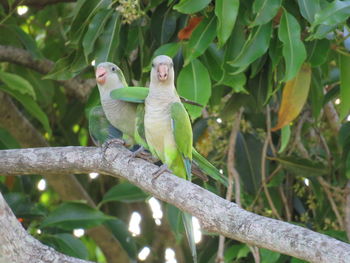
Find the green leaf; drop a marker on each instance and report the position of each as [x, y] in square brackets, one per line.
[308, 9]
[7, 139]
[27, 41]
[120, 231]
[213, 59]
[344, 65]
[71, 215]
[334, 13]
[124, 192]
[302, 166]
[194, 84]
[17, 84]
[347, 166]
[22, 206]
[226, 12]
[175, 221]
[191, 6]
[61, 70]
[67, 244]
[94, 30]
[344, 135]
[256, 46]
[31, 106]
[294, 51]
[107, 43]
[285, 136]
[316, 93]
[318, 52]
[201, 38]
[265, 11]
[268, 256]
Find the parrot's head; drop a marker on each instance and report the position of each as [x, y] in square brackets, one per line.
[109, 74]
[162, 70]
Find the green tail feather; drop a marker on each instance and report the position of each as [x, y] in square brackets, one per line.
[208, 168]
[187, 221]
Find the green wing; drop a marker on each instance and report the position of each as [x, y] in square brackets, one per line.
[99, 127]
[140, 137]
[139, 94]
[182, 131]
[130, 94]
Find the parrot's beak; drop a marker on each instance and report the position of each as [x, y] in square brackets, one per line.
[101, 74]
[163, 72]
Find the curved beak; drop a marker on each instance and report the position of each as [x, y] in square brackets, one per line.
[101, 75]
[163, 72]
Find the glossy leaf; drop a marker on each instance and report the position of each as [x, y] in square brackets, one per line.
[124, 192]
[17, 84]
[226, 12]
[317, 52]
[194, 84]
[213, 60]
[294, 52]
[300, 166]
[294, 96]
[108, 41]
[256, 46]
[191, 6]
[308, 9]
[347, 166]
[67, 244]
[61, 70]
[31, 106]
[334, 13]
[285, 136]
[344, 65]
[71, 215]
[120, 230]
[265, 11]
[201, 38]
[268, 256]
[95, 28]
[7, 139]
[316, 93]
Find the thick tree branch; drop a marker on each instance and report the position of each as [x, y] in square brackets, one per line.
[68, 187]
[18, 246]
[215, 213]
[76, 87]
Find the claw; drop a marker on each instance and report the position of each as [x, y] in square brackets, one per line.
[162, 169]
[107, 144]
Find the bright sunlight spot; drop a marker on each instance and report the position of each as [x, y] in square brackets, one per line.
[170, 256]
[221, 171]
[79, 232]
[93, 175]
[196, 230]
[348, 118]
[22, 9]
[337, 101]
[219, 120]
[42, 185]
[93, 63]
[38, 231]
[306, 182]
[134, 224]
[144, 253]
[157, 212]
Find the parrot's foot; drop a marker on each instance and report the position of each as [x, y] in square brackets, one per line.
[143, 154]
[108, 143]
[162, 169]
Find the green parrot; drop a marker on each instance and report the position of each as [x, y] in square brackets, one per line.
[168, 127]
[112, 86]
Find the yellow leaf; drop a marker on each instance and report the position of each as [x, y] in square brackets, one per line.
[294, 96]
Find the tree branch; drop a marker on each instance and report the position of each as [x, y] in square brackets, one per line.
[68, 187]
[18, 246]
[215, 213]
[76, 86]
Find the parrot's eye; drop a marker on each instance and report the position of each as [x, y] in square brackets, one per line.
[114, 69]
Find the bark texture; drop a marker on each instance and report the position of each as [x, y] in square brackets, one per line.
[17, 246]
[215, 213]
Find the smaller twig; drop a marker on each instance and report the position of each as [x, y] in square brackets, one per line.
[285, 203]
[332, 202]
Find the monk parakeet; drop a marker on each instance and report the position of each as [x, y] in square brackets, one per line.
[116, 97]
[167, 124]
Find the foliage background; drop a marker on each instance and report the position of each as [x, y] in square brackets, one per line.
[270, 64]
